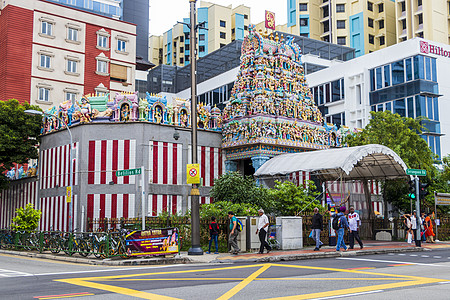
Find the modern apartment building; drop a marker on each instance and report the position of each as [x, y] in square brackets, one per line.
[132, 11]
[409, 78]
[59, 53]
[366, 25]
[423, 18]
[224, 24]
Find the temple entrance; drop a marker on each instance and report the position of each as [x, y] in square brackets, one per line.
[248, 167]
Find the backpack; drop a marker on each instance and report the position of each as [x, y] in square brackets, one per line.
[239, 225]
[336, 224]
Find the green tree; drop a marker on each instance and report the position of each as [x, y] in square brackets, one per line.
[19, 134]
[220, 209]
[402, 135]
[236, 188]
[292, 200]
[26, 219]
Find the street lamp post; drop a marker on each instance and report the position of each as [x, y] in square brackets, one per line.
[195, 214]
[40, 113]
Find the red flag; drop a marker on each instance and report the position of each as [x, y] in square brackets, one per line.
[270, 20]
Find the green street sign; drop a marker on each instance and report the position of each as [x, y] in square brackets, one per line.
[128, 172]
[416, 172]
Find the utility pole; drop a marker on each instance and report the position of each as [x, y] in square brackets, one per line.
[418, 236]
[195, 193]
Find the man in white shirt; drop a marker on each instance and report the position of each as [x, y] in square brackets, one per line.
[354, 222]
[414, 223]
[263, 223]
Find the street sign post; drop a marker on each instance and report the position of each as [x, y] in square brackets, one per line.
[129, 172]
[68, 194]
[416, 172]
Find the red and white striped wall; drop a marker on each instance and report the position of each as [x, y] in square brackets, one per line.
[166, 163]
[164, 203]
[212, 163]
[376, 206]
[18, 195]
[110, 206]
[55, 213]
[355, 187]
[105, 157]
[54, 166]
[299, 178]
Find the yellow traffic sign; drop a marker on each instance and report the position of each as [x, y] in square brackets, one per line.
[68, 194]
[193, 173]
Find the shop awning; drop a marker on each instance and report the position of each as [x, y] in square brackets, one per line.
[352, 163]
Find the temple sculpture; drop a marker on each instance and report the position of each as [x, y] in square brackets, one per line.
[271, 110]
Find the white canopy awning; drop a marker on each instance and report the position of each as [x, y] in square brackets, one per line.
[351, 163]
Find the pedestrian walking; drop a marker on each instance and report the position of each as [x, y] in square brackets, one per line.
[342, 224]
[234, 232]
[263, 223]
[414, 222]
[407, 223]
[317, 226]
[429, 233]
[213, 235]
[354, 222]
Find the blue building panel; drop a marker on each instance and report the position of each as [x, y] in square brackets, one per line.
[239, 25]
[357, 33]
[291, 13]
[304, 29]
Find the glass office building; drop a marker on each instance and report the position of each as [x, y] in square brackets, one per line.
[109, 8]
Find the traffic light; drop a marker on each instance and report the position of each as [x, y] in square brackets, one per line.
[423, 190]
[412, 189]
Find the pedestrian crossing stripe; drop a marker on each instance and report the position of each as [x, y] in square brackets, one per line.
[400, 281]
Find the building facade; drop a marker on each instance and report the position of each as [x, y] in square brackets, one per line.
[224, 24]
[132, 11]
[59, 53]
[407, 78]
[366, 26]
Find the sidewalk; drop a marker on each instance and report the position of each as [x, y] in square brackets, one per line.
[370, 247]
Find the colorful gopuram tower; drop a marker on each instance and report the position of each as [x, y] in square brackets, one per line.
[271, 109]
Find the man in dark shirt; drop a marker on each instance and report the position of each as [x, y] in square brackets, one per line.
[317, 225]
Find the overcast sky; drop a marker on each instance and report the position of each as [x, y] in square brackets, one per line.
[165, 13]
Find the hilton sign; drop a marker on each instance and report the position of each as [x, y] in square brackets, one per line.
[427, 48]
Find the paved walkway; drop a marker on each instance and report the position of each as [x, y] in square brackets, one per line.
[370, 247]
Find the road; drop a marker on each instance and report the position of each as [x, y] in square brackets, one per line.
[421, 275]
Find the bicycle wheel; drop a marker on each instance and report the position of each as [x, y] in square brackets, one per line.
[83, 248]
[54, 246]
[122, 250]
[102, 251]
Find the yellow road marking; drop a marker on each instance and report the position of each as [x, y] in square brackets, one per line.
[69, 296]
[117, 290]
[46, 260]
[243, 283]
[258, 279]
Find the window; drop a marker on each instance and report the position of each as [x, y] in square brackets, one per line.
[398, 74]
[408, 69]
[71, 66]
[246, 17]
[181, 60]
[221, 45]
[118, 72]
[222, 23]
[382, 41]
[182, 38]
[72, 34]
[369, 5]
[102, 66]
[387, 75]
[341, 40]
[325, 11]
[44, 94]
[371, 39]
[245, 27]
[201, 37]
[403, 6]
[201, 48]
[181, 49]
[71, 96]
[102, 41]
[103, 7]
[121, 45]
[303, 22]
[222, 35]
[46, 28]
[403, 24]
[45, 61]
[89, 4]
[326, 26]
[233, 30]
[340, 8]
[380, 7]
[419, 2]
[381, 24]
[340, 24]
[303, 7]
[370, 22]
[187, 47]
[420, 17]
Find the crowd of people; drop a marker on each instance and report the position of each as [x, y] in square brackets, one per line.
[410, 223]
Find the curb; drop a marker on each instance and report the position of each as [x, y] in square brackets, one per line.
[187, 260]
[318, 255]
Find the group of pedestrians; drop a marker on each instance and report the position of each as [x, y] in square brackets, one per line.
[235, 228]
[411, 221]
[340, 222]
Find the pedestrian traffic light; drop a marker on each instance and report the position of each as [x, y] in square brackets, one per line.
[423, 190]
[412, 189]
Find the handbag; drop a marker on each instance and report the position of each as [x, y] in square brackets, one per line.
[310, 234]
